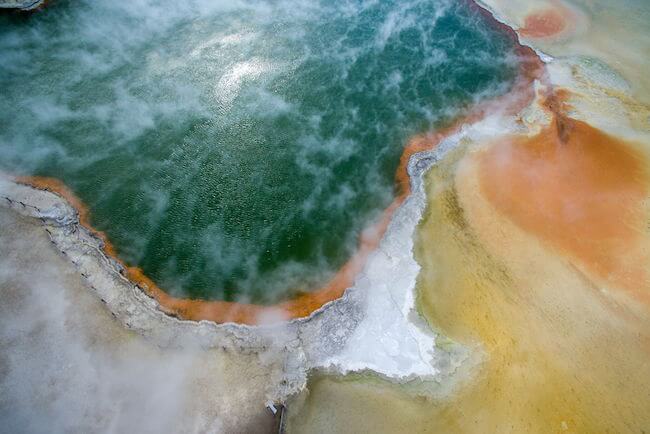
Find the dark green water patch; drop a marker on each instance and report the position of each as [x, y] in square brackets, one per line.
[235, 150]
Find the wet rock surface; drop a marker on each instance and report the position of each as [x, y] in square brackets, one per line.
[24, 5]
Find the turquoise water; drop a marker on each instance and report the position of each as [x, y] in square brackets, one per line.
[235, 150]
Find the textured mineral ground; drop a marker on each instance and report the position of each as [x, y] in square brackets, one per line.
[510, 291]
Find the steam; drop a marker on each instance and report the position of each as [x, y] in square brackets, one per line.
[134, 104]
[237, 149]
[68, 366]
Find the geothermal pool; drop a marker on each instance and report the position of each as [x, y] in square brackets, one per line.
[236, 150]
[251, 151]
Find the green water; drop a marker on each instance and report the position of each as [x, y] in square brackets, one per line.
[235, 150]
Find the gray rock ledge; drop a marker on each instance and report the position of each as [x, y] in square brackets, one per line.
[23, 5]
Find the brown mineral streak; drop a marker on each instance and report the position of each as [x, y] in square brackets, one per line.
[578, 188]
[303, 305]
